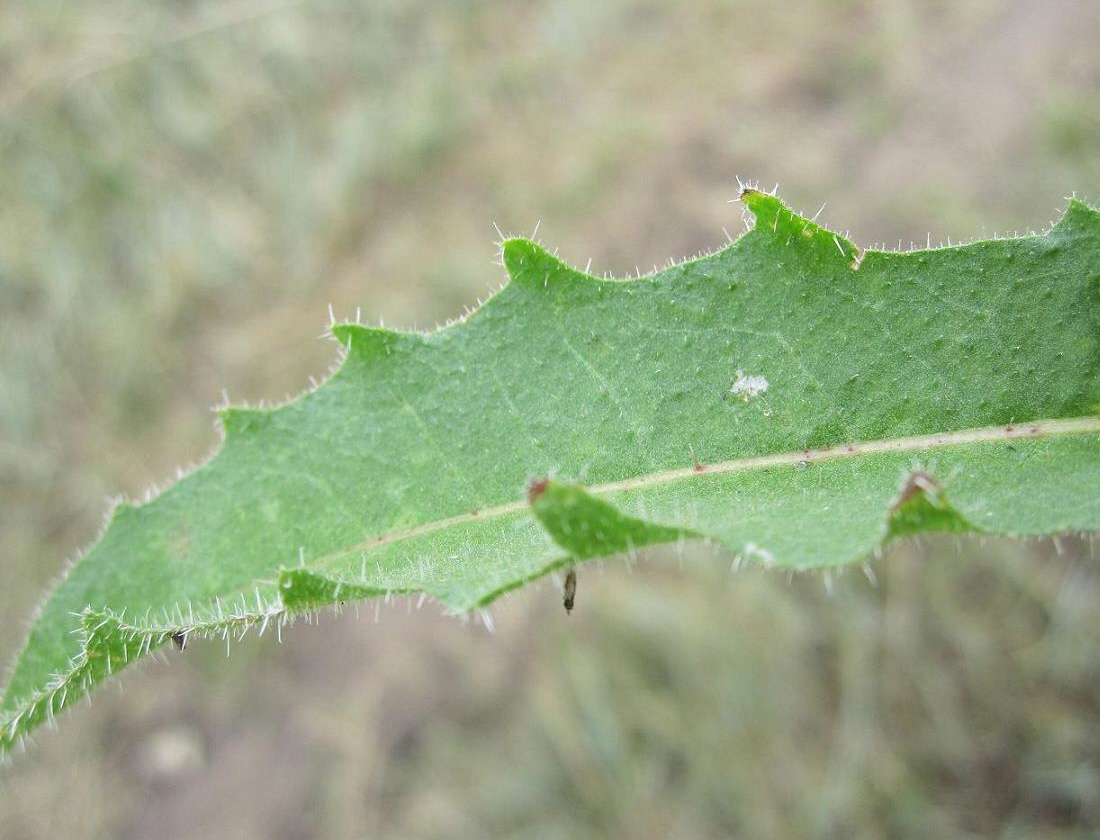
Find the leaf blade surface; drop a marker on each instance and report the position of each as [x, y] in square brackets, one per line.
[778, 397]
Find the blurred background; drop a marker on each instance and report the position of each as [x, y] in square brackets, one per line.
[187, 185]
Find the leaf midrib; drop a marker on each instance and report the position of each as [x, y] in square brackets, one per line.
[915, 443]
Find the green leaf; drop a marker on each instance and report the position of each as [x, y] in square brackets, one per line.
[787, 397]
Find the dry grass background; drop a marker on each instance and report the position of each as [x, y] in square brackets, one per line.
[185, 186]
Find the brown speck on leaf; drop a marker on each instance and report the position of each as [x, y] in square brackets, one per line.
[180, 640]
[695, 461]
[536, 488]
[570, 590]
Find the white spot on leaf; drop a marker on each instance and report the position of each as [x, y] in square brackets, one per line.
[747, 386]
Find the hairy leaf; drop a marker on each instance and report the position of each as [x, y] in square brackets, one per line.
[787, 397]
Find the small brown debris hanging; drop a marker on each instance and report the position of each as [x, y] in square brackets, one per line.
[180, 640]
[570, 590]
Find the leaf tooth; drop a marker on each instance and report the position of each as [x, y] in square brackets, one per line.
[120, 509]
[236, 420]
[922, 506]
[301, 590]
[530, 264]
[1079, 218]
[764, 206]
[373, 342]
[587, 526]
[776, 221]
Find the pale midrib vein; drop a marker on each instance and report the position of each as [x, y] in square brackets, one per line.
[916, 443]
